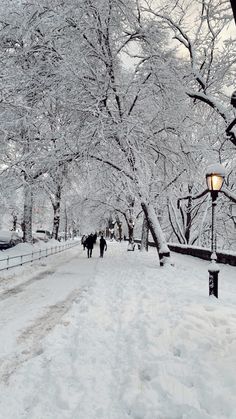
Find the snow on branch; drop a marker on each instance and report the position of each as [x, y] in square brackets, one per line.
[113, 165]
[229, 194]
[209, 100]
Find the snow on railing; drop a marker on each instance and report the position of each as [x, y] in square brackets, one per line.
[228, 257]
[19, 260]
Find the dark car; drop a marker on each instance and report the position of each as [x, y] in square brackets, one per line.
[9, 239]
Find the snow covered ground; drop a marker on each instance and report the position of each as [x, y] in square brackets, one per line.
[24, 252]
[117, 338]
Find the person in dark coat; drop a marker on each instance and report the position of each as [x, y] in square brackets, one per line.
[89, 244]
[103, 246]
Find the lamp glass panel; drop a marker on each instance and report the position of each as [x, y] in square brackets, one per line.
[214, 182]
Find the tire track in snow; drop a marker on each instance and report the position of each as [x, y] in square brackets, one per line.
[31, 338]
[21, 287]
[51, 265]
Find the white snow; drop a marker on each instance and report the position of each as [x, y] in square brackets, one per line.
[25, 252]
[215, 169]
[117, 338]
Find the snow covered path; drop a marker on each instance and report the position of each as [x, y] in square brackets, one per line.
[117, 338]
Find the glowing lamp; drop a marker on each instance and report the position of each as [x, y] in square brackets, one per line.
[215, 177]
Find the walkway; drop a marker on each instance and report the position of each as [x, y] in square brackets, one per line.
[117, 338]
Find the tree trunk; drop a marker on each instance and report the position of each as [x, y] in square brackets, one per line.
[130, 231]
[145, 231]
[188, 216]
[120, 231]
[27, 217]
[66, 224]
[56, 213]
[130, 225]
[156, 232]
[28, 194]
[14, 222]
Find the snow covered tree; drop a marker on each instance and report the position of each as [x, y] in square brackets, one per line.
[120, 136]
[205, 48]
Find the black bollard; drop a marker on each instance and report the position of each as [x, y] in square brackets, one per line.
[213, 282]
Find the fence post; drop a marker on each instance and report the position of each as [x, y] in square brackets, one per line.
[8, 257]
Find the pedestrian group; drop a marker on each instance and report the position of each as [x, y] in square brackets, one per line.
[89, 241]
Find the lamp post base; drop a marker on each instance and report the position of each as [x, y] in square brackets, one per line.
[213, 281]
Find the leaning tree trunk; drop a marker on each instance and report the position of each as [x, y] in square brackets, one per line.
[144, 237]
[27, 216]
[56, 204]
[156, 232]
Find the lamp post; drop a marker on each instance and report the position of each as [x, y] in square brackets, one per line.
[214, 177]
[233, 99]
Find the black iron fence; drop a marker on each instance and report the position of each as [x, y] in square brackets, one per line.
[200, 252]
[19, 260]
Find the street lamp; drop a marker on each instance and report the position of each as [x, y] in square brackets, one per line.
[214, 177]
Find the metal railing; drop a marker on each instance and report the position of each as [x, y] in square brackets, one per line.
[202, 253]
[19, 260]
[199, 252]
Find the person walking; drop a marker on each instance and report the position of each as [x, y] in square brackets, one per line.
[83, 241]
[103, 246]
[89, 244]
